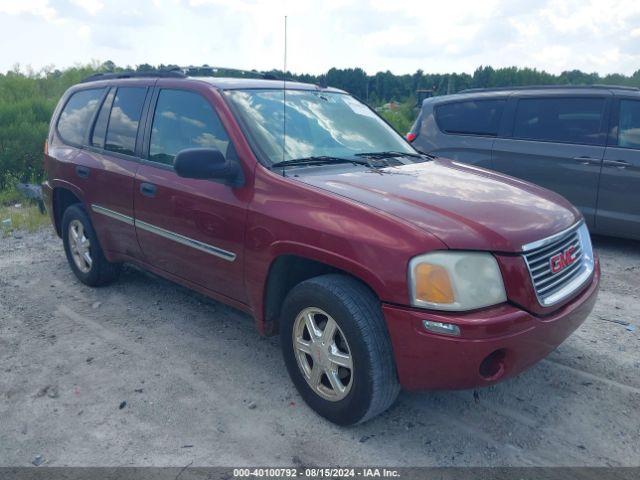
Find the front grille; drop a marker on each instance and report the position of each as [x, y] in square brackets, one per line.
[553, 287]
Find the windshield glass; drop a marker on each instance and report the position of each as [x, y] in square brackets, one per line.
[318, 124]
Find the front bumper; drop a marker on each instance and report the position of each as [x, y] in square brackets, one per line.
[427, 360]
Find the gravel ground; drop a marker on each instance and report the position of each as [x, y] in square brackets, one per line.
[145, 372]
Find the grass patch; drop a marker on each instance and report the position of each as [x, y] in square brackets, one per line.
[24, 218]
[10, 196]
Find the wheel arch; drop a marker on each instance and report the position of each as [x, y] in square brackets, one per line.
[289, 269]
[63, 196]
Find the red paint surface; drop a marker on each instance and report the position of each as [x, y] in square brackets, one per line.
[365, 223]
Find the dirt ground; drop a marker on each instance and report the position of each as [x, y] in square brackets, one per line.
[145, 372]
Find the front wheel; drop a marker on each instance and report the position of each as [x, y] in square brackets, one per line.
[337, 349]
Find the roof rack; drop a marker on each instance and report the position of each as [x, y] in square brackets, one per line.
[548, 87]
[175, 72]
[212, 70]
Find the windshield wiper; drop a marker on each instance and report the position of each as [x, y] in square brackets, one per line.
[393, 154]
[318, 160]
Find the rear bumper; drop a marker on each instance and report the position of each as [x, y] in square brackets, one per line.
[47, 198]
[427, 360]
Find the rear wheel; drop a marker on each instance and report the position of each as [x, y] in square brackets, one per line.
[337, 350]
[83, 251]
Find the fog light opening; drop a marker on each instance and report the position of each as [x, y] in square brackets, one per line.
[442, 328]
[492, 367]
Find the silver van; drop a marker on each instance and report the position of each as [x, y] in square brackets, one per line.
[582, 142]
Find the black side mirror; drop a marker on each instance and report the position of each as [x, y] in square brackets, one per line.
[208, 163]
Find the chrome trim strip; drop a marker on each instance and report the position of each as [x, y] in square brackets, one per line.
[568, 289]
[112, 214]
[189, 242]
[546, 241]
[176, 237]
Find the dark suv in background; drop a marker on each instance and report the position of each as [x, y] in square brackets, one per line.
[582, 142]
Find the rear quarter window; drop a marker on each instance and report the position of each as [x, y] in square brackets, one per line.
[77, 114]
[471, 117]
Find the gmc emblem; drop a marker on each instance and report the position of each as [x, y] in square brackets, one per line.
[562, 260]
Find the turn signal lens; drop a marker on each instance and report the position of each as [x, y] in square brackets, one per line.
[411, 137]
[440, 327]
[433, 284]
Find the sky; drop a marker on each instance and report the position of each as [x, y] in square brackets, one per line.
[398, 35]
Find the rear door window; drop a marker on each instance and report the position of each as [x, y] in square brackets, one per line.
[100, 128]
[473, 117]
[563, 120]
[183, 120]
[124, 119]
[77, 114]
[629, 124]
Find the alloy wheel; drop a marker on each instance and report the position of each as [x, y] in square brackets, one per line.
[323, 354]
[80, 246]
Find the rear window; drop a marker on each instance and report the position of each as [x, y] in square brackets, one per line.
[629, 124]
[77, 115]
[473, 117]
[124, 119]
[563, 120]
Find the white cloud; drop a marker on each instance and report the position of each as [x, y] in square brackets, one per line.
[84, 31]
[399, 35]
[90, 6]
[40, 8]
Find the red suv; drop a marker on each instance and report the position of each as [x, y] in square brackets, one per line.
[379, 266]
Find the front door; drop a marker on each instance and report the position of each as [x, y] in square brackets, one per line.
[619, 196]
[193, 229]
[557, 143]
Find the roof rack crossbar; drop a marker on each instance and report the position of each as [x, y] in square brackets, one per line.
[548, 87]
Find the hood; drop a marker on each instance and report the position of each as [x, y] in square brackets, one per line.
[466, 207]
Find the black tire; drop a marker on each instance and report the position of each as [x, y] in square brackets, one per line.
[101, 272]
[358, 313]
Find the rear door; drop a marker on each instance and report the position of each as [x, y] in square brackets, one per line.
[115, 156]
[193, 229]
[462, 130]
[556, 141]
[619, 195]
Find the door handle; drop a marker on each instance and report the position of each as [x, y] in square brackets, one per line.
[148, 189]
[585, 160]
[82, 172]
[621, 164]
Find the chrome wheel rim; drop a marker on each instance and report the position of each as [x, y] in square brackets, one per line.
[323, 354]
[80, 246]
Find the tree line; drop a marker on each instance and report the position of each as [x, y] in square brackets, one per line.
[27, 98]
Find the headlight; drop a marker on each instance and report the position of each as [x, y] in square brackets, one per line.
[450, 280]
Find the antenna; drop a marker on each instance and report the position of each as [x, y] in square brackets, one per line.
[284, 97]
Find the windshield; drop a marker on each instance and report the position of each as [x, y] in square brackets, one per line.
[318, 124]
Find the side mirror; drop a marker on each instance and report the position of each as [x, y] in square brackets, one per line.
[208, 164]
